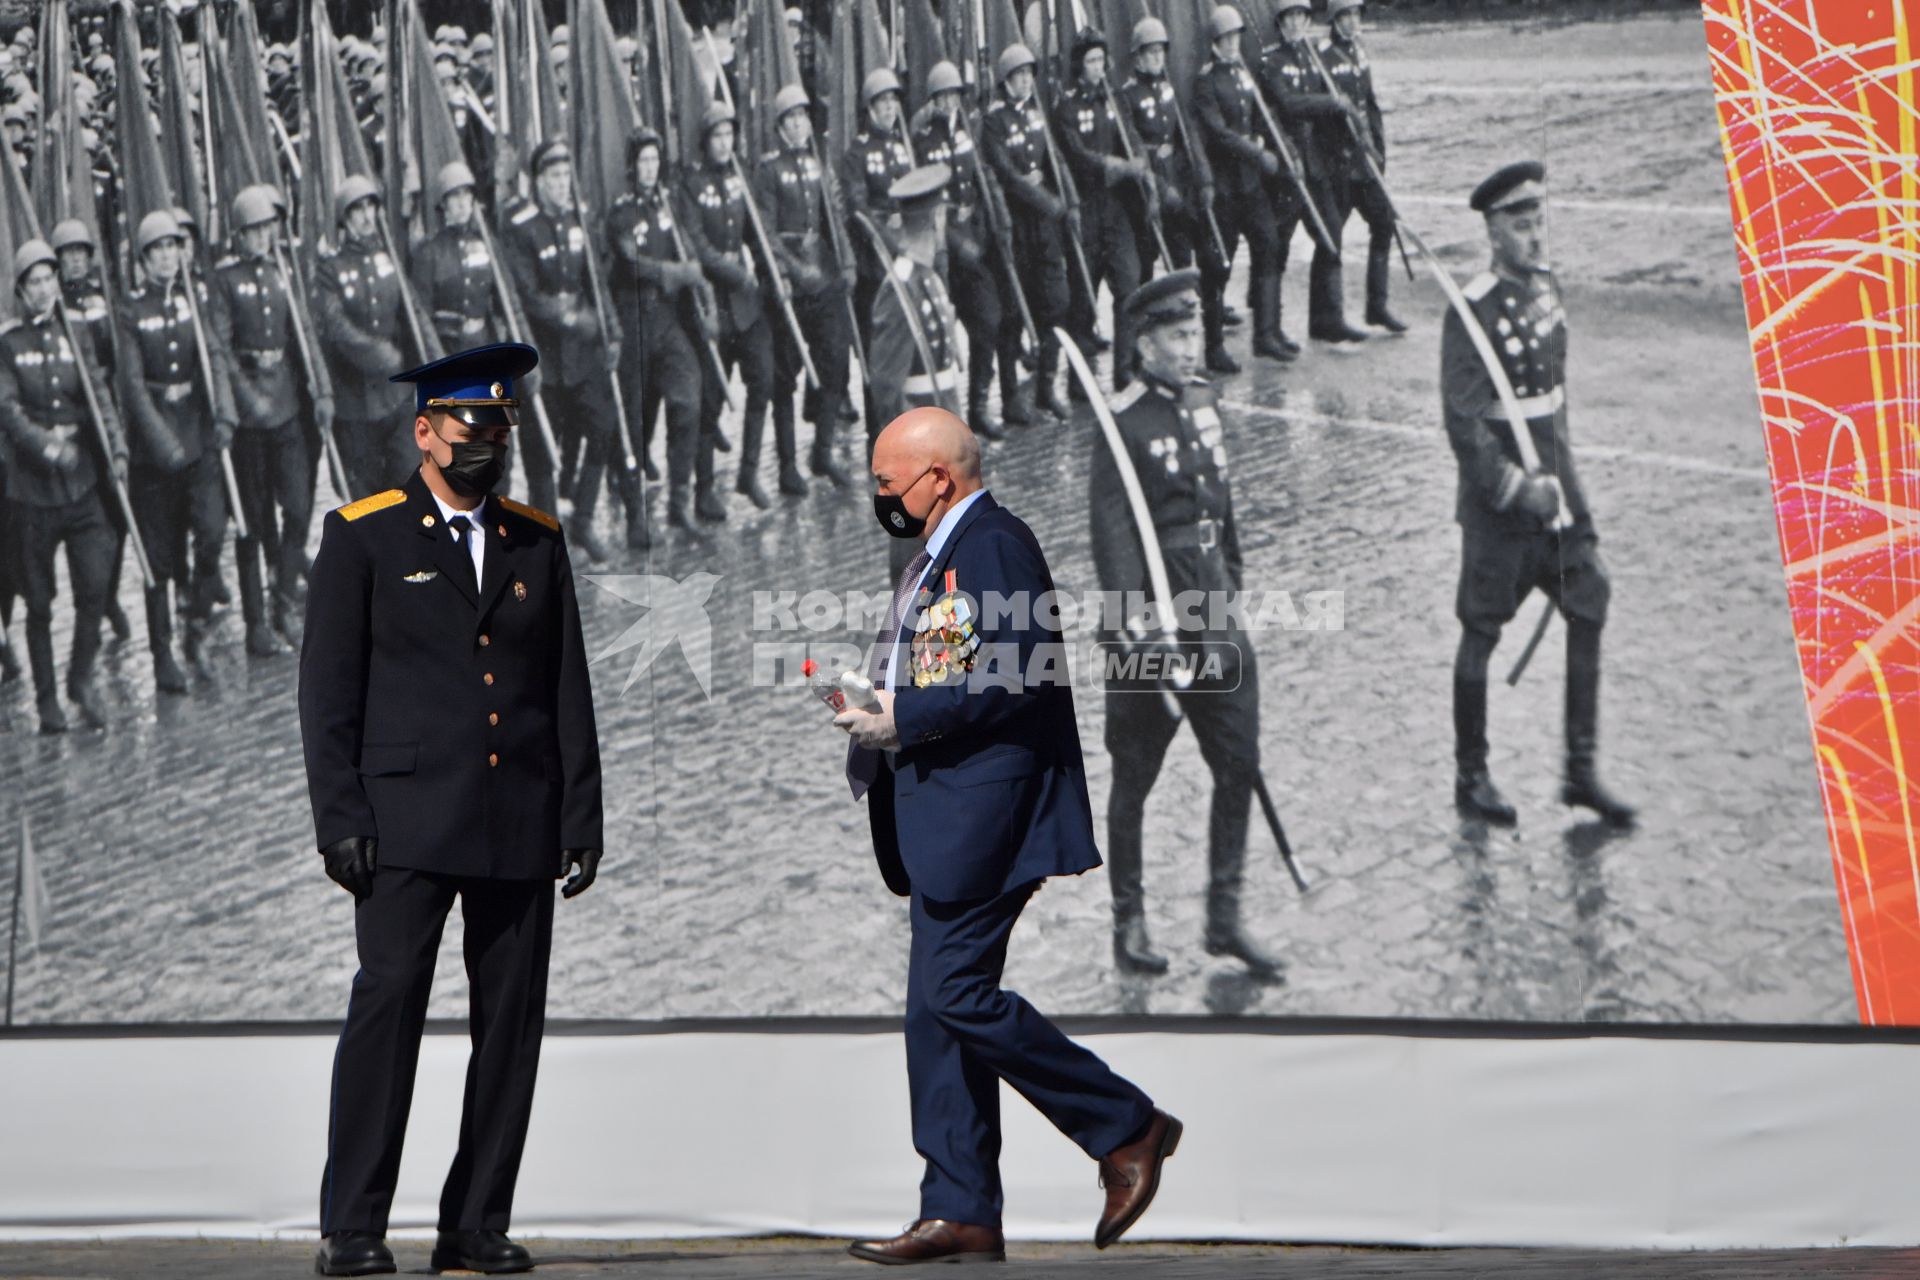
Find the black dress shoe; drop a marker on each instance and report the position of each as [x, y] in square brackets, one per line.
[488, 1252]
[1583, 788]
[1475, 795]
[1381, 318]
[353, 1253]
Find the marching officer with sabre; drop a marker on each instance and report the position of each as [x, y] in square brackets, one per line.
[1520, 529]
[1170, 423]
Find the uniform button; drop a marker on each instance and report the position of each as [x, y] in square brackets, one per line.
[493, 717]
[492, 760]
[488, 677]
[485, 641]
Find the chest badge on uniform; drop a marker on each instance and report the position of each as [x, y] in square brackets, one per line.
[944, 643]
[519, 590]
[422, 575]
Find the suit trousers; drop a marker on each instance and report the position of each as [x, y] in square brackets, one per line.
[508, 935]
[965, 1034]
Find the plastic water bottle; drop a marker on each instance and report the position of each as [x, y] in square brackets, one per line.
[851, 689]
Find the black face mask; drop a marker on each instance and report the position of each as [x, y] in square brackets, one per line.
[891, 509]
[476, 467]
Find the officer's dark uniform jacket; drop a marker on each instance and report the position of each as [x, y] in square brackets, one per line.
[1153, 111]
[42, 401]
[1223, 98]
[1527, 327]
[453, 277]
[1352, 75]
[1173, 435]
[899, 376]
[1014, 139]
[717, 232]
[454, 725]
[790, 186]
[549, 259]
[357, 310]
[163, 392]
[252, 318]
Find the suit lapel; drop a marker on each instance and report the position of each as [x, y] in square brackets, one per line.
[453, 562]
[931, 585]
[495, 569]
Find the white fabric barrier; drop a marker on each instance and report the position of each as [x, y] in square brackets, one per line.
[1360, 1138]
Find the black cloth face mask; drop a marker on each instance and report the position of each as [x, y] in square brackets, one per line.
[476, 466]
[891, 510]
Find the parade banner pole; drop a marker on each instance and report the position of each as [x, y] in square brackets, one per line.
[1157, 573]
[997, 220]
[1148, 186]
[1290, 161]
[206, 374]
[842, 246]
[603, 312]
[106, 447]
[1375, 169]
[517, 332]
[336, 469]
[920, 342]
[1194, 159]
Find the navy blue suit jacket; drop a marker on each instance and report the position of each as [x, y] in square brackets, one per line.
[989, 789]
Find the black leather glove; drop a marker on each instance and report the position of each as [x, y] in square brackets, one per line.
[588, 861]
[350, 864]
[1538, 497]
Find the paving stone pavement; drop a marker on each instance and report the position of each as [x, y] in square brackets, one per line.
[739, 881]
[798, 1259]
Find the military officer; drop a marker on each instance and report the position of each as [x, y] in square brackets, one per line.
[1183, 181]
[1114, 187]
[448, 727]
[253, 320]
[658, 283]
[358, 311]
[791, 186]
[1171, 426]
[177, 430]
[1246, 173]
[57, 482]
[976, 269]
[554, 281]
[1520, 529]
[718, 231]
[879, 155]
[1014, 138]
[1350, 181]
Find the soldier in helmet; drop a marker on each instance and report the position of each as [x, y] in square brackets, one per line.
[358, 311]
[1182, 179]
[1350, 181]
[1520, 530]
[790, 186]
[452, 270]
[1172, 431]
[896, 367]
[253, 320]
[57, 482]
[717, 229]
[1014, 139]
[176, 431]
[976, 270]
[1246, 172]
[480, 69]
[1115, 189]
[879, 155]
[548, 247]
[661, 286]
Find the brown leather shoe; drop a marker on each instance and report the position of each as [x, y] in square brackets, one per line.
[936, 1240]
[1131, 1175]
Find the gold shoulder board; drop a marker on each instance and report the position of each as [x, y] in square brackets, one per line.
[532, 513]
[375, 502]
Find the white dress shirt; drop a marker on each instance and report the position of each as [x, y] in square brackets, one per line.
[476, 532]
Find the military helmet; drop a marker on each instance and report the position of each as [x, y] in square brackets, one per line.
[482, 43]
[1012, 58]
[253, 206]
[1224, 21]
[357, 187]
[453, 176]
[155, 227]
[30, 255]
[879, 80]
[1337, 7]
[717, 114]
[626, 48]
[943, 77]
[1148, 32]
[1281, 9]
[790, 98]
[70, 232]
[560, 34]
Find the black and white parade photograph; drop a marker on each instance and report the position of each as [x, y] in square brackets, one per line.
[442, 445]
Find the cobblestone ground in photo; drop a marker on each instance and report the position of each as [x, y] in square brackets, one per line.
[806, 1259]
[739, 879]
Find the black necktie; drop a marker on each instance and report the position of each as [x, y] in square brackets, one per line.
[461, 528]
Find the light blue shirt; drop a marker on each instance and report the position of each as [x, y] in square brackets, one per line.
[935, 545]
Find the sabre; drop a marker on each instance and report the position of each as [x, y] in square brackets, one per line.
[907, 309]
[206, 373]
[1157, 572]
[106, 448]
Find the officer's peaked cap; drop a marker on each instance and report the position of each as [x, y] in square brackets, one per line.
[1162, 300]
[475, 386]
[1522, 183]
